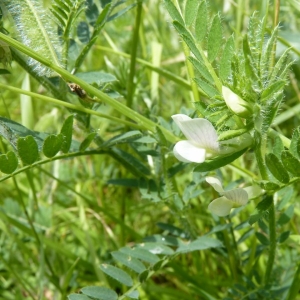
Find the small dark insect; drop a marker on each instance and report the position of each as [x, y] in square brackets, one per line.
[75, 88]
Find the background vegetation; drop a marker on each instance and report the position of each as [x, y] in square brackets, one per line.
[78, 214]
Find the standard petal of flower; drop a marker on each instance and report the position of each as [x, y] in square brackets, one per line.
[221, 206]
[200, 131]
[235, 103]
[253, 191]
[215, 183]
[180, 118]
[186, 151]
[238, 196]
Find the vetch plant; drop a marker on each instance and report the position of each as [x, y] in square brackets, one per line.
[102, 190]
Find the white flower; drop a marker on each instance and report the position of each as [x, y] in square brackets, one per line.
[235, 103]
[202, 139]
[230, 199]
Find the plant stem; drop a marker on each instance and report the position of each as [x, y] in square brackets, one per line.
[70, 105]
[191, 74]
[272, 237]
[135, 39]
[275, 22]
[123, 109]
[259, 155]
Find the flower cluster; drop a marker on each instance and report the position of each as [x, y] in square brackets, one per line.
[202, 143]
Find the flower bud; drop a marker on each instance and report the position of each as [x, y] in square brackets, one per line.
[235, 103]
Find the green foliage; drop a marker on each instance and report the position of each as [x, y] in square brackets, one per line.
[276, 168]
[95, 179]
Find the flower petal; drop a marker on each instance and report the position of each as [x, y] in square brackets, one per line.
[253, 191]
[187, 152]
[235, 103]
[215, 183]
[199, 130]
[221, 206]
[238, 196]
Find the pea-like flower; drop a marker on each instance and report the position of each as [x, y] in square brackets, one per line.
[202, 139]
[235, 103]
[230, 199]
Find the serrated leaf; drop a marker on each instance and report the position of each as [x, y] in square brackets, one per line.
[201, 68]
[52, 145]
[129, 261]
[262, 238]
[225, 62]
[87, 141]
[283, 237]
[142, 254]
[207, 88]
[214, 40]
[66, 131]
[276, 168]
[201, 243]
[291, 163]
[280, 66]
[190, 11]
[8, 162]
[83, 32]
[286, 216]
[27, 149]
[99, 292]
[192, 46]
[201, 22]
[78, 297]
[272, 89]
[126, 137]
[210, 165]
[117, 274]
[173, 11]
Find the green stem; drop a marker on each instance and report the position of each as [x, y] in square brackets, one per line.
[272, 237]
[259, 145]
[69, 105]
[121, 108]
[191, 74]
[275, 22]
[63, 156]
[135, 39]
[231, 256]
